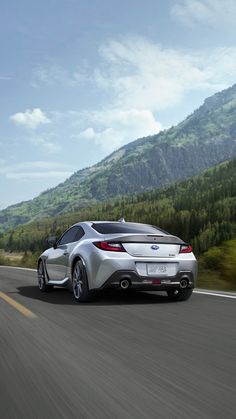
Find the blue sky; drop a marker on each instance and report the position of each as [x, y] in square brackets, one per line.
[79, 79]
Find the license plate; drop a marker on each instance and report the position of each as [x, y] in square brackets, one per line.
[157, 269]
[161, 269]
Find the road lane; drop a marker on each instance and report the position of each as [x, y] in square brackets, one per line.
[136, 356]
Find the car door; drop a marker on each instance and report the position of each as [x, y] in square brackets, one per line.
[58, 257]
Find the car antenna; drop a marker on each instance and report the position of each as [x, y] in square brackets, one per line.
[121, 220]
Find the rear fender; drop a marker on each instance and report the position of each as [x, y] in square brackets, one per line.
[77, 257]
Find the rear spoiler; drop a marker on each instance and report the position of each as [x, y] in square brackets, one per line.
[149, 238]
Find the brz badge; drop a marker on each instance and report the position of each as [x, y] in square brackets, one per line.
[154, 247]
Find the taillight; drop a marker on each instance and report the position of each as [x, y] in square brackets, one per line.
[186, 248]
[112, 247]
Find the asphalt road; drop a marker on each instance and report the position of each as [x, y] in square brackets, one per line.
[136, 356]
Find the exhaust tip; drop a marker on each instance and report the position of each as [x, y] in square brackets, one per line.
[184, 283]
[124, 284]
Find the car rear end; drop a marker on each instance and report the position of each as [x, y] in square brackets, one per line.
[153, 261]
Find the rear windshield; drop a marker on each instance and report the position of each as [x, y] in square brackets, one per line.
[114, 228]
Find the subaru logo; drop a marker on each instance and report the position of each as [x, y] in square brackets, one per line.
[154, 247]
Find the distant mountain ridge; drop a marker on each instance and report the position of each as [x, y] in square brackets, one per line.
[201, 210]
[203, 139]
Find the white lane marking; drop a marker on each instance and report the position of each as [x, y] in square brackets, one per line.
[215, 294]
[16, 267]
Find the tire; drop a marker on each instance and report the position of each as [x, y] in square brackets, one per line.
[80, 286]
[180, 294]
[43, 286]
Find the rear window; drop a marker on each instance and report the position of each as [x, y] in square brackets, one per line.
[114, 228]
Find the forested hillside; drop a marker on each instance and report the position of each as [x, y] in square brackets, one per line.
[202, 210]
[205, 138]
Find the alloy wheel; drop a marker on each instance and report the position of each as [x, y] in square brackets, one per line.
[41, 276]
[77, 282]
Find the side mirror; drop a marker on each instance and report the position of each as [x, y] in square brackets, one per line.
[52, 241]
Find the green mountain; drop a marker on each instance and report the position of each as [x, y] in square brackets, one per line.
[201, 210]
[203, 139]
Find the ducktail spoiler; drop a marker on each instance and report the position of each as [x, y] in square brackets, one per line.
[148, 238]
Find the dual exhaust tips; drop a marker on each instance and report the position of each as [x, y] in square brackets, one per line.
[125, 283]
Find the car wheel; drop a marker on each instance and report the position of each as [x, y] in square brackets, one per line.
[80, 283]
[180, 294]
[41, 279]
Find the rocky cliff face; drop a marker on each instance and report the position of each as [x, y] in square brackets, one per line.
[205, 138]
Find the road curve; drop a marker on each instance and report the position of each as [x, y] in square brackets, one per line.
[120, 357]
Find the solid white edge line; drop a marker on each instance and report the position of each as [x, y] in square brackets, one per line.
[16, 267]
[215, 294]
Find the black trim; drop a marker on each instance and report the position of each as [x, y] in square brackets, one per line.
[145, 238]
[133, 276]
[116, 227]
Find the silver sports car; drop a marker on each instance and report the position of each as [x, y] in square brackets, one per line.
[94, 255]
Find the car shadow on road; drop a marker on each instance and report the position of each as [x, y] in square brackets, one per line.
[62, 296]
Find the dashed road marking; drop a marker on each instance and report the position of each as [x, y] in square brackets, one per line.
[23, 310]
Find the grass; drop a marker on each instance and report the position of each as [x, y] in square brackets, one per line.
[212, 280]
[12, 256]
[10, 259]
[21, 259]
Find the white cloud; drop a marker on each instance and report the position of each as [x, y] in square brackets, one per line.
[134, 80]
[46, 145]
[207, 12]
[143, 75]
[28, 171]
[88, 134]
[118, 127]
[29, 176]
[40, 164]
[30, 119]
[142, 78]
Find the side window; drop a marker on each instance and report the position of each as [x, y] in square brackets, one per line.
[79, 234]
[72, 235]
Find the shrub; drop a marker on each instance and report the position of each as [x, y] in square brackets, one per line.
[213, 258]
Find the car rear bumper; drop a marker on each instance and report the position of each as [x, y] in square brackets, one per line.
[184, 279]
[105, 269]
